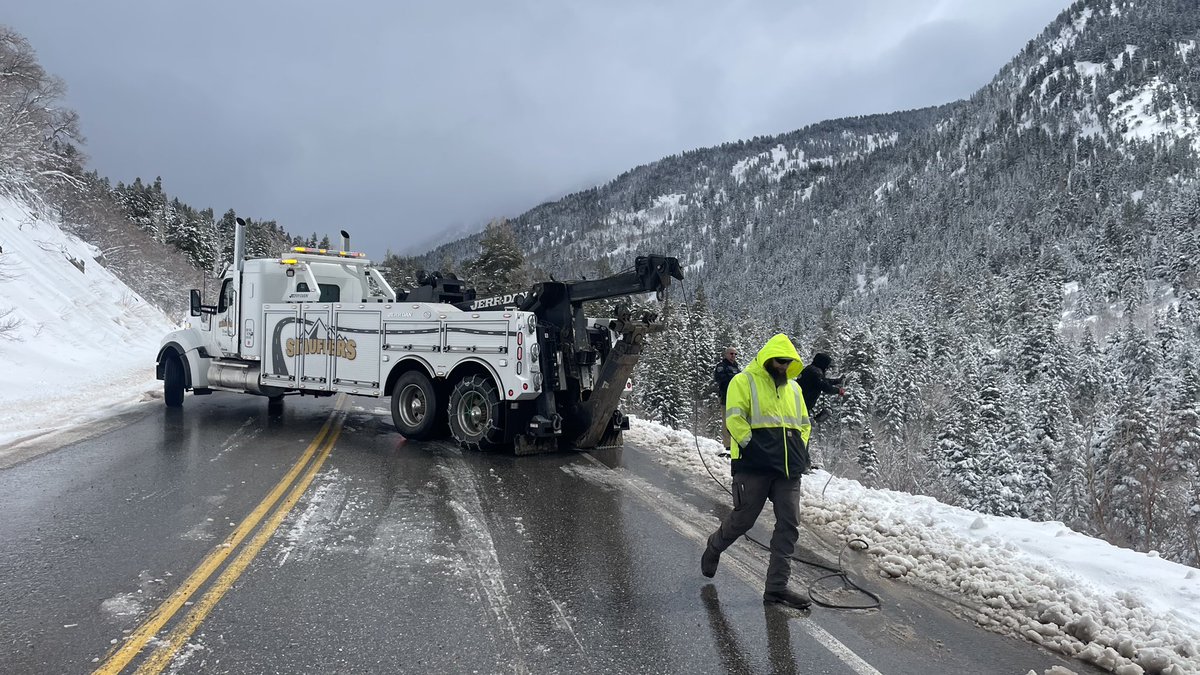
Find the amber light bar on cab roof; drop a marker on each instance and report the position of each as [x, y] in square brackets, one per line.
[325, 251]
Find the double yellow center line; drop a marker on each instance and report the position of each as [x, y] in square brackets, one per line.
[167, 648]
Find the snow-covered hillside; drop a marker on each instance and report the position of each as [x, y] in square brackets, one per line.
[75, 342]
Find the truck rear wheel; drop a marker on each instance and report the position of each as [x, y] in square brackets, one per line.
[173, 382]
[414, 406]
[475, 420]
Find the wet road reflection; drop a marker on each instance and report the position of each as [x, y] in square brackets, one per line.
[733, 656]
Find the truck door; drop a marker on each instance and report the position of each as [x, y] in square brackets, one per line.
[281, 345]
[356, 350]
[227, 319]
[316, 355]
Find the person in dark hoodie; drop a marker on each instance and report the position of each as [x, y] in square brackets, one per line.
[768, 423]
[814, 383]
[722, 375]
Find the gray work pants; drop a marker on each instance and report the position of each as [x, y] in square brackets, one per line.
[750, 493]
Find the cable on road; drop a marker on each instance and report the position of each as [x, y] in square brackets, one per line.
[835, 573]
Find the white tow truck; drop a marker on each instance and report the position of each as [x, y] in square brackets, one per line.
[524, 371]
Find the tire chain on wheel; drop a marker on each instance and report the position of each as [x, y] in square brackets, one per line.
[494, 434]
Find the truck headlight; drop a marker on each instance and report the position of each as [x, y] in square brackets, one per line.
[534, 352]
[532, 323]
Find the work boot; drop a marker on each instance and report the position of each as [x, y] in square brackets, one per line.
[786, 597]
[708, 561]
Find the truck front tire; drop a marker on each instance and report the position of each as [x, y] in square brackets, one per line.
[475, 420]
[414, 406]
[173, 381]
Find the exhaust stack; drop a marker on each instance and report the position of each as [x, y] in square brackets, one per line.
[239, 245]
[345, 241]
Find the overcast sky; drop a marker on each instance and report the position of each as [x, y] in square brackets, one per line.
[404, 121]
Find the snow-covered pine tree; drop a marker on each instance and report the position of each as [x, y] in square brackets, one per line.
[1052, 430]
[857, 366]
[956, 454]
[868, 459]
[896, 409]
[224, 237]
[1125, 445]
[400, 271]
[993, 438]
[137, 203]
[1175, 415]
[701, 344]
[499, 268]
[192, 234]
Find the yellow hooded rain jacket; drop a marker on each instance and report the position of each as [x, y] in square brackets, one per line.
[768, 424]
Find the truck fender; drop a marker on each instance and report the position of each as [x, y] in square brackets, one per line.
[404, 365]
[471, 363]
[195, 365]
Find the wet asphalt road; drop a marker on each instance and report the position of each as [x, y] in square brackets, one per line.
[409, 557]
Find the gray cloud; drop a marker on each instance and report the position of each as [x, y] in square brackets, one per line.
[402, 121]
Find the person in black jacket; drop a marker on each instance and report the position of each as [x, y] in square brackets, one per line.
[722, 375]
[813, 382]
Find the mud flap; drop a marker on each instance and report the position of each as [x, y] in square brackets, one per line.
[611, 439]
[533, 445]
[613, 436]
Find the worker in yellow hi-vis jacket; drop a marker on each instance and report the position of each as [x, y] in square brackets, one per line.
[769, 427]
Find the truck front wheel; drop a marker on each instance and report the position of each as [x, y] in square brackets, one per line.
[414, 406]
[173, 382]
[475, 420]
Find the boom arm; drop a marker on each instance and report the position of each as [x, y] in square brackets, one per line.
[650, 274]
[558, 302]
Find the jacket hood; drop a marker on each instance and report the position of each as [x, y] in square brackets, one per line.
[822, 361]
[780, 347]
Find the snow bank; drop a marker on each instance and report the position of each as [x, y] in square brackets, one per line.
[76, 344]
[1125, 611]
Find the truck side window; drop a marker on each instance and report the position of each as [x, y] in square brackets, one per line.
[330, 293]
[226, 296]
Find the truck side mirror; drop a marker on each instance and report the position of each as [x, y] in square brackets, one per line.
[195, 302]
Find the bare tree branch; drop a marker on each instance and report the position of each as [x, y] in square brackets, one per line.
[9, 325]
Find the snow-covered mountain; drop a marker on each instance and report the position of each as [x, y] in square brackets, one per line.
[76, 343]
[1095, 116]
